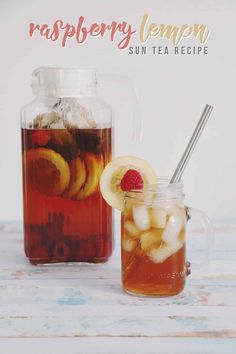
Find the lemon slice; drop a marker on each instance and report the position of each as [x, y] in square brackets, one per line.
[77, 177]
[47, 171]
[122, 174]
[94, 166]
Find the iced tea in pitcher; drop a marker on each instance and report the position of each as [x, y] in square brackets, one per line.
[66, 143]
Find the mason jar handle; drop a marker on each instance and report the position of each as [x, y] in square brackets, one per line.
[197, 214]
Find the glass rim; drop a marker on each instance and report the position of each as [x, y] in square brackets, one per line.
[81, 68]
[162, 190]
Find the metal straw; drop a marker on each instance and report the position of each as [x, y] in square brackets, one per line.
[192, 143]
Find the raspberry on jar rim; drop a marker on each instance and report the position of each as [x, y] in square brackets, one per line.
[132, 179]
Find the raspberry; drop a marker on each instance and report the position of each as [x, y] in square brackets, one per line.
[40, 137]
[61, 251]
[132, 179]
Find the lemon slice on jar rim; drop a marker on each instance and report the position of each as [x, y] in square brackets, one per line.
[123, 174]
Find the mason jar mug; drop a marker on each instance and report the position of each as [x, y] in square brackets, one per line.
[153, 239]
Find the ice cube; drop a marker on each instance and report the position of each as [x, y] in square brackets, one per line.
[158, 217]
[150, 239]
[160, 254]
[182, 236]
[127, 212]
[141, 217]
[131, 228]
[174, 209]
[128, 244]
[172, 230]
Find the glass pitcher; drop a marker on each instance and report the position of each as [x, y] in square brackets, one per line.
[67, 139]
[153, 239]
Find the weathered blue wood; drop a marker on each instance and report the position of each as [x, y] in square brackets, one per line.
[111, 345]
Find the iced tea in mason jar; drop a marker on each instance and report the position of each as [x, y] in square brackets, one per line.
[153, 240]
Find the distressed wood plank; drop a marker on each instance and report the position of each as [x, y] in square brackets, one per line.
[113, 345]
[87, 301]
[116, 326]
[218, 269]
[52, 293]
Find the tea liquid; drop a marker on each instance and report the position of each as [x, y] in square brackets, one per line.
[153, 255]
[143, 276]
[65, 216]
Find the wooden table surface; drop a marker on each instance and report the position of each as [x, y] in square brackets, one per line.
[81, 308]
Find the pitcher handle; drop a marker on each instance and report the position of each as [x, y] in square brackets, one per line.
[137, 129]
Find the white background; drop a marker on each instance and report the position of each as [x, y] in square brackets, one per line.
[172, 91]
